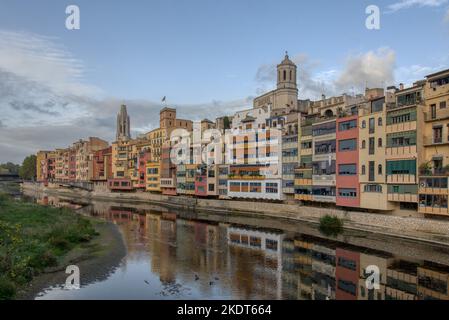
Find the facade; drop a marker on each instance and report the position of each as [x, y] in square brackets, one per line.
[384, 151]
[434, 167]
[347, 160]
[153, 176]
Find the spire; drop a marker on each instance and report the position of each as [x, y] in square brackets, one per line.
[123, 124]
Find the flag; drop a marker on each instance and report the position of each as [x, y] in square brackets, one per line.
[164, 98]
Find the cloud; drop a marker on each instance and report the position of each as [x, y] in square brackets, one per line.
[371, 69]
[405, 4]
[311, 84]
[40, 59]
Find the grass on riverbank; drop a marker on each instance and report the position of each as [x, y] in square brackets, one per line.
[33, 238]
[331, 225]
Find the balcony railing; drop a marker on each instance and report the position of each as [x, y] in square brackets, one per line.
[434, 172]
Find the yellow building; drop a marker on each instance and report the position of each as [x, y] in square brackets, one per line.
[434, 168]
[404, 144]
[372, 137]
[153, 176]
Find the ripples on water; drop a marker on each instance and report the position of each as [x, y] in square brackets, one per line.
[180, 255]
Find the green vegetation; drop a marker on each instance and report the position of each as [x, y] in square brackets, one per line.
[331, 225]
[33, 238]
[28, 169]
[226, 123]
[9, 167]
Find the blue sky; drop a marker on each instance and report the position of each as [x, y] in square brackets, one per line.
[208, 57]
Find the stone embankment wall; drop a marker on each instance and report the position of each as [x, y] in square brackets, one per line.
[402, 226]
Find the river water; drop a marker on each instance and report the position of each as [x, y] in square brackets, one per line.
[191, 255]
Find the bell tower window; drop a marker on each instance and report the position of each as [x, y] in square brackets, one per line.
[285, 75]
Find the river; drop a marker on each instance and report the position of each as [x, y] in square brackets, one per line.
[190, 255]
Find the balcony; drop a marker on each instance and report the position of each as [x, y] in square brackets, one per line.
[440, 114]
[401, 178]
[328, 199]
[402, 197]
[324, 180]
[433, 210]
[435, 141]
[444, 172]
[304, 197]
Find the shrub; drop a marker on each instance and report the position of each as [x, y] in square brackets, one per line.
[4, 198]
[7, 289]
[331, 225]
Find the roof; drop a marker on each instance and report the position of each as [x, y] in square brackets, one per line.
[437, 73]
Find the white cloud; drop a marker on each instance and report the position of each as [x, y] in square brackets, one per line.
[372, 69]
[311, 84]
[40, 59]
[405, 4]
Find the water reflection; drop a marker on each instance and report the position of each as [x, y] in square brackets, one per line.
[179, 255]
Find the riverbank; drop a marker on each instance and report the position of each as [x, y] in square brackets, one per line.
[37, 243]
[406, 227]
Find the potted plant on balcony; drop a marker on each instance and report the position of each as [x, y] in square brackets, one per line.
[425, 168]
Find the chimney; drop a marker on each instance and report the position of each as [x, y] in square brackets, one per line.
[401, 86]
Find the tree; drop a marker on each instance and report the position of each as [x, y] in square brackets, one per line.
[226, 123]
[10, 167]
[28, 169]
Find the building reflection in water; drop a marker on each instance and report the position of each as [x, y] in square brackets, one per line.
[236, 261]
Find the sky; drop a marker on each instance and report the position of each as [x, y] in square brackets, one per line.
[208, 57]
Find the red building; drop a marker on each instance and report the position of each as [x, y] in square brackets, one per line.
[347, 274]
[347, 181]
[201, 182]
[102, 164]
[142, 159]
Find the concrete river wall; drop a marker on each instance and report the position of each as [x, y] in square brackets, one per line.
[409, 227]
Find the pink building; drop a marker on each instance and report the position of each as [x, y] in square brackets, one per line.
[348, 189]
[347, 274]
[201, 182]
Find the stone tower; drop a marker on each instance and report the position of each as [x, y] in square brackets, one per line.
[123, 124]
[286, 74]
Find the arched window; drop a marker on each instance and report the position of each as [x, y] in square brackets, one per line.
[363, 170]
[285, 75]
[363, 124]
[363, 144]
[379, 142]
[379, 169]
[379, 122]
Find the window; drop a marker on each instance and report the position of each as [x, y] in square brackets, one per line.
[347, 145]
[347, 169]
[211, 187]
[433, 111]
[271, 188]
[373, 188]
[271, 244]
[379, 142]
[379, 122]
[438, 134]
[401, 139]
[379, 169]
[324, 147]
[371, 146]
[363, 144]
[346, 263]
[401, 167]
[371, 171]
[363, 124]
[347, 125]
[325, 128]
[347, 193]
[363, 170]
[371, 125]
[443, 105]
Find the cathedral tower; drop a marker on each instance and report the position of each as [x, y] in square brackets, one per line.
[123, 124]
[286, 74]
